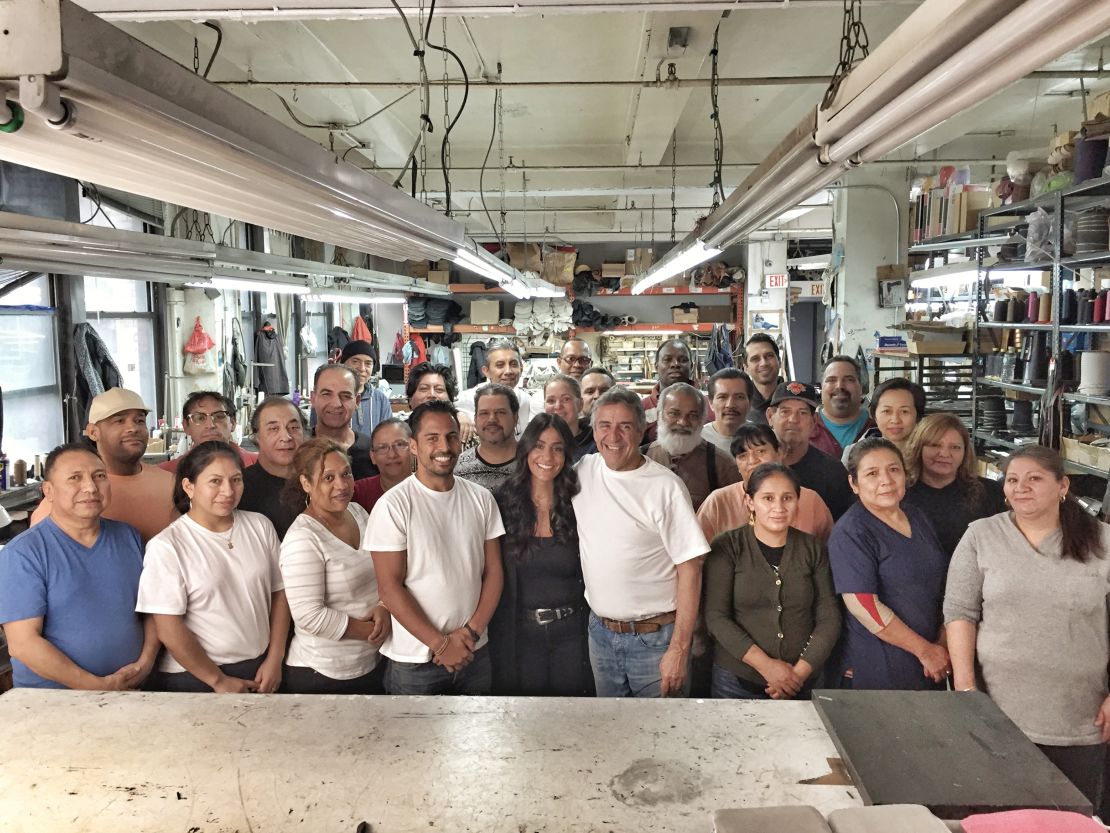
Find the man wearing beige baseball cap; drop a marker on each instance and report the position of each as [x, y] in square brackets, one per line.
[141, 495]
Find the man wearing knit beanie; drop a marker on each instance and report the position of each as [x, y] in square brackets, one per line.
[373, 404]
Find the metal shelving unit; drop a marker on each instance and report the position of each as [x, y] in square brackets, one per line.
[1064, 270]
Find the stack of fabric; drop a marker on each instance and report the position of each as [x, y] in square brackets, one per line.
[418, 312]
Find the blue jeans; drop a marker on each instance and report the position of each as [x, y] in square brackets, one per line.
[627, 664]
[429, 678]
[727, 686]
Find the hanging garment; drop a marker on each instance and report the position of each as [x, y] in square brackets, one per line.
[718, 356]
[338, 338]
[477, 362]
[96, 371]
[359, 330]
[240, 371]
[269, 355]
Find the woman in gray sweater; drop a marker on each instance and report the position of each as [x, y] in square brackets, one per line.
[1026, 615]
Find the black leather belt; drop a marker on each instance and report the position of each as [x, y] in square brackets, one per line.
[547, 615]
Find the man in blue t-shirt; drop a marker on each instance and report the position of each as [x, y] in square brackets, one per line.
[68, 587]
[842, 419]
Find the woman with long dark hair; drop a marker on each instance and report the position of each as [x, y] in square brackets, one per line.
[212, 584]
[943, 481]
[769, 599]
[1026, 614]
[330, 580]
[538, 634]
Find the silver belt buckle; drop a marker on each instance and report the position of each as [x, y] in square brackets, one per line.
[545, 616]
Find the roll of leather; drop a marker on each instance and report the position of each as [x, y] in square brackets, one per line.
[1094, 373]
[1067, 307]
[1100, 308]
[1044, 315]
[1032, 307]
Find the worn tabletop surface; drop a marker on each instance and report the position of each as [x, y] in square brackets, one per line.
[203, 763]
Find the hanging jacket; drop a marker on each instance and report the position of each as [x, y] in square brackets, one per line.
[337, 340]
[96, 371]
[477, 362]
[719, 354]
[269, 355]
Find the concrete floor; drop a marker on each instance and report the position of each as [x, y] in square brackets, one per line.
[94, 761]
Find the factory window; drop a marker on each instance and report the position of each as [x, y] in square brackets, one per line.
[32, 418]
[120, 311]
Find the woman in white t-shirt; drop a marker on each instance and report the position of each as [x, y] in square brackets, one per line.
[333, 591]
[212, 584]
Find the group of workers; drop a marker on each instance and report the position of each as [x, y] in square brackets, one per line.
[754, 540]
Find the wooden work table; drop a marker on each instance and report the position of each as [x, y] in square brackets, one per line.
[184, 763]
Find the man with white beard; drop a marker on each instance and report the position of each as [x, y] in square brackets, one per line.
[680, 446]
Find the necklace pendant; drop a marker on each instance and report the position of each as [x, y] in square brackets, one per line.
[230, 545]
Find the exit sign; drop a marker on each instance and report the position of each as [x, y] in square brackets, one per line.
[777, 281]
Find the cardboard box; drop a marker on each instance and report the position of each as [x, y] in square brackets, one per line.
[937, 348]
[416, 268]
[716, 314]
[1089, 455]
[681, 316]
[485, 312]
[442, 276]
[612, 270]
[892, 272]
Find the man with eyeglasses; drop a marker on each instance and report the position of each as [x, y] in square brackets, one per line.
[390, 452]
[574, 359]
[208, 415]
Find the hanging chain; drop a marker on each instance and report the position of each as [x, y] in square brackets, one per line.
[651, 240]
[674, 175]
[524, 208]
[718, 134]
[498, 103]
[853, 39]
[196, 56]
[446, 122]
[425, 105]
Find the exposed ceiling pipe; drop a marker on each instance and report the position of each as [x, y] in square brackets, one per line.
[880, 163]
[487, 9]
[747, 81]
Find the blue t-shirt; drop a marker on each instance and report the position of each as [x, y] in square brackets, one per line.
[846, 434]
[85, 595]
[907, 575]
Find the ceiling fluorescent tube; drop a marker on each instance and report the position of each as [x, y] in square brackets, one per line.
[684, 256]
[354, 298]
[147, 125]
[250, 285]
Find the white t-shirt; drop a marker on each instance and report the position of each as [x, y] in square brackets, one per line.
[444, 534]
[465, 402]
[327, 583]
[224, 594]
[633, 528]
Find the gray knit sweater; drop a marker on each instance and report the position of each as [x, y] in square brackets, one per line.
[1043, 645]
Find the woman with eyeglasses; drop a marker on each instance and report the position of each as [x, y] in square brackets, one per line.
[209, 416]
[330, 580]
[211, 582]
[538, 633]
[562, 396]
[389, 451]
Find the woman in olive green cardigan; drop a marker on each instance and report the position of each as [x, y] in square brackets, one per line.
[769, 599]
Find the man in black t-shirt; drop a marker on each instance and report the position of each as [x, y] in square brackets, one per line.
[791, 414]
[279, 429]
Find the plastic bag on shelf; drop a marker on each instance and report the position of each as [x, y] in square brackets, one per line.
[1039, 237]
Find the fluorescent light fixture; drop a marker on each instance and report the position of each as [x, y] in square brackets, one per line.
[995, 240]
[675, 262]
[128, 117]
[953, 275]
[481, 262]
[812, 262]
[354, 298]
[250, 285]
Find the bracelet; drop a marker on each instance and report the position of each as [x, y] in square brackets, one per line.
[442, 648]
[973, 688]
[381, 604]
[473, 633]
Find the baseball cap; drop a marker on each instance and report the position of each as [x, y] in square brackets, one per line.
[797, 390]
[582, 267]
[114, 400]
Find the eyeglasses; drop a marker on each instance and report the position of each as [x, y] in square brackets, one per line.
[217, 418]
[583, 360]
[401, 446]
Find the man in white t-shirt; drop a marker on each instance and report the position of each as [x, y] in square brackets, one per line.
[434, 541]
[642, 551]
[503, 367]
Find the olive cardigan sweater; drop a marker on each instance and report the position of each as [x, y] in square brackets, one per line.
[792, 614]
